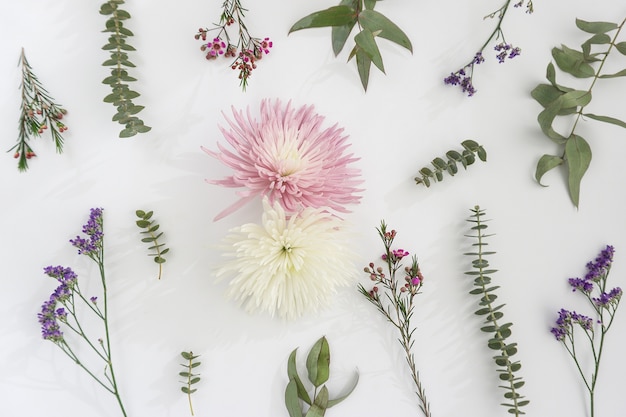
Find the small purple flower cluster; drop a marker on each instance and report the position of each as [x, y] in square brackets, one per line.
[94, 232]
[506, 50]
[50, 316]
[565, 322]
[597, 271]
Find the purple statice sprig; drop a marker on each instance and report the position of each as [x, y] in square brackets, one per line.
[604, 304]
[63, 312]
[246, 51]
[393, 295]
[463, 77]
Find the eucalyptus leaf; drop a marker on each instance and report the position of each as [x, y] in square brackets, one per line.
[291, 399]
[578, 155]
[572, 62]
[547, 116]
[318, 362]
[595, 27]
[605, 119]
[363, 65]
[621, 47]
[292, 373]
[366, 42]
[375, 21]
[347, 392]
[621, 73]
[333, 16]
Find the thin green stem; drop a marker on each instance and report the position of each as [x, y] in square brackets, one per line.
[597, 74]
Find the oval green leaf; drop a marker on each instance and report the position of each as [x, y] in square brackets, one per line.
[375, 21]
[333, 16]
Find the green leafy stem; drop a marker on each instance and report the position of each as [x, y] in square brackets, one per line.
[558, 100]
[493, 316]
[38, 112]
[150, 229]
[191, 378]
[121, 96]
[465, 158]
[371, 24]
[318, 367]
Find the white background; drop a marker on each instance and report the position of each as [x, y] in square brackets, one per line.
[405, 119]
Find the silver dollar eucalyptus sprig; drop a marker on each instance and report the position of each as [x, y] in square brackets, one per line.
[318, 367]
[370, 24]
[465, 158]
[150, 228]
[558, 100]
[493, 314]
[121, 95]
[190, 377]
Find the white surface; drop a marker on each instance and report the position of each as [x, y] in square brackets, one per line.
[406, 118]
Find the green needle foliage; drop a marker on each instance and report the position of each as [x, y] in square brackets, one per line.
[191, 378]
[371, 25]
[121, 96]
[38, 112]
[465, 158]
[150, 229]
[558, 100]
[493, 317]
[318, 367]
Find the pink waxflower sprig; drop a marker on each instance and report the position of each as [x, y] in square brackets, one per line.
[246, 51]
[393, 295]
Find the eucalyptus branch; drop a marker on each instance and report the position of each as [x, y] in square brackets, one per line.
[493, 315]
[558, 100]
[150, 229]
[38, 113]
[121, 95]
[318, 367]
[370, 24]
[191, 378]
[440, 166]
[398, 303]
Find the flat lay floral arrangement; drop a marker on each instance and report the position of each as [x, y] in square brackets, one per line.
[294, 182]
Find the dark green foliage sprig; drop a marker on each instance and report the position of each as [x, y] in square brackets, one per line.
[558, 100]
[150, 229]
[371, 25]
[38, 112]
[191, 378]
[318, 367]
[121, 96]
[493, 314]
[465, 158]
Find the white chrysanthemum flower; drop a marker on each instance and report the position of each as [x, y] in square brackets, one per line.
[288, 266]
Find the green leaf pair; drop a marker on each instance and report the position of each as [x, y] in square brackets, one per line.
[499, 332]
[190, 377]
[465, 158]
[121, 95]
[150, 229]
[558, 100]
[371, 24]
[318, 369]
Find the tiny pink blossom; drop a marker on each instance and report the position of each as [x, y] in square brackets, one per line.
[287, 156]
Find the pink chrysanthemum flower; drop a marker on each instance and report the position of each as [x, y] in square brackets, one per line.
[287, 156]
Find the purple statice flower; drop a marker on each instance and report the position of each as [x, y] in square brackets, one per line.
[478, 58]
[93, 230]
[506, 50]
[50, 329]
[595, 270]
[606, 299]
[463, 80]
[67, 280]
[582, 285]
[566, 320]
